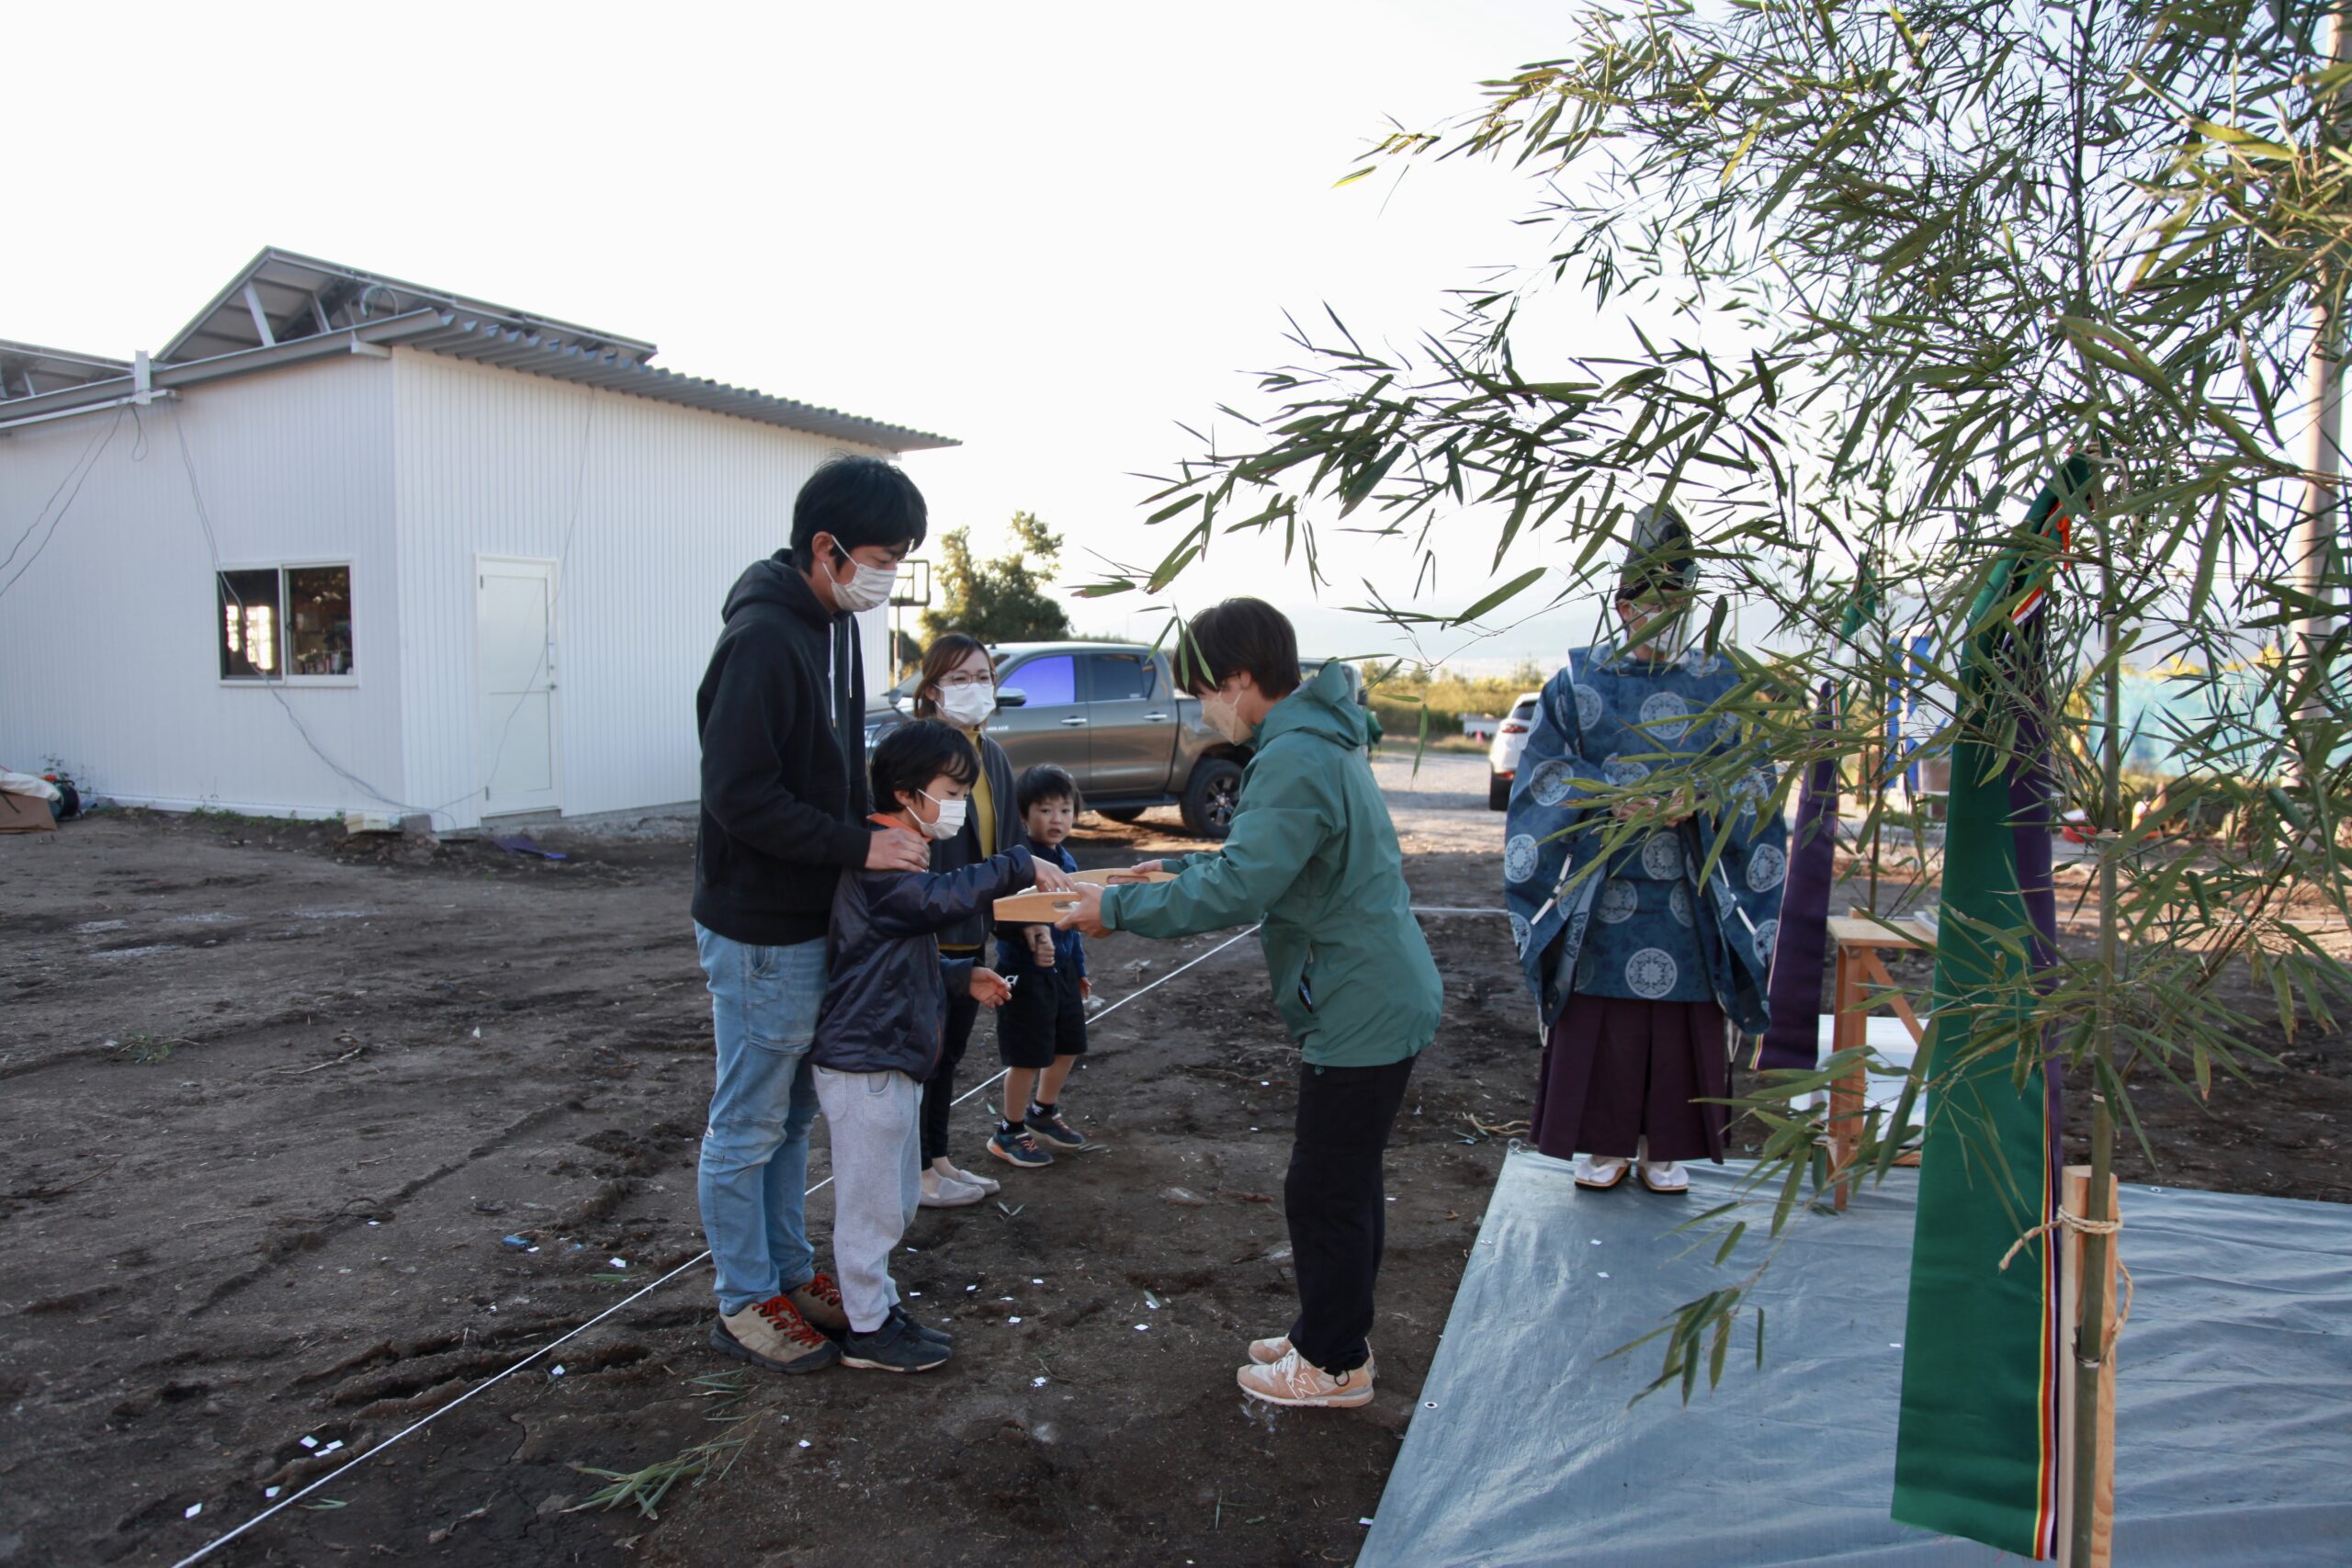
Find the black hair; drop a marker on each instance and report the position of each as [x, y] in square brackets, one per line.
[912, 755]
[858, 501]
[1046, 782]
[950, 649]
[1238, 636]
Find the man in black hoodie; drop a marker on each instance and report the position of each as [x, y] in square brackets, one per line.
[782, 715]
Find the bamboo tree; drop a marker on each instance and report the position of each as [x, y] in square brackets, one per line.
[1882, 267]
[2090, 1346]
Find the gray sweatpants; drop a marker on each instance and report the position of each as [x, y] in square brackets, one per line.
[877, 1181]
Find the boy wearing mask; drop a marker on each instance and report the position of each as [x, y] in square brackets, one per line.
[878, 1036]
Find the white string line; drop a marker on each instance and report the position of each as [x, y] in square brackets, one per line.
[1450, 910]
[210, 1548]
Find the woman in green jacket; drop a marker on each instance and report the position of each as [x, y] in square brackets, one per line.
[1312, 853]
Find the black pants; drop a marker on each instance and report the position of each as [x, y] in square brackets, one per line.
[939, 1090]
[1337, 1211]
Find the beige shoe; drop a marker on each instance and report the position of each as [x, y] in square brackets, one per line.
[820, 1303]
[988, 1187]
[947, 1192]
[774, 1335]
[1266, 1352]
[1291, 1381]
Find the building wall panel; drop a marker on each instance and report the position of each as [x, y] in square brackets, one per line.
[650, 511]
[112, 628]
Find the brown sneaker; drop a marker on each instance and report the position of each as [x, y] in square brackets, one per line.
[820, 1301]
[774, 1335]
[1291, 1381]
[1266, 1352]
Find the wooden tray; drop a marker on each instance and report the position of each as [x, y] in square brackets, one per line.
[1044, 909]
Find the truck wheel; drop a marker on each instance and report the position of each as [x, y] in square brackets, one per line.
[1120, 813]
[1497, 792]
[1211, 797]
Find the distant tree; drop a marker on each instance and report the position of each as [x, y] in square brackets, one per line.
[1003, 600]
[905, 653]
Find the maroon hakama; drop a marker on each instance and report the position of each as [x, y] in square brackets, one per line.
[1617, 1070]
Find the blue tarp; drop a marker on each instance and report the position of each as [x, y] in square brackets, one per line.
[2233, 1426]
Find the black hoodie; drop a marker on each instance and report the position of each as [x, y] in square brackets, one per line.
[782, 715]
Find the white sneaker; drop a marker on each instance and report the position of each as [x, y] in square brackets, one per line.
[988, 1187]
[1600, 1172]
[1291, 1381]
[1664, 1176]
[947, 1192]
[1266, 1352]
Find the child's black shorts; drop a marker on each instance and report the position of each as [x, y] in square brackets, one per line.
[1044, 1019]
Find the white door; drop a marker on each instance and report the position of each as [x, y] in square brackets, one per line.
[514, 746]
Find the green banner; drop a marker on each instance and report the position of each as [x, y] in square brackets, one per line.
[1977, 1450]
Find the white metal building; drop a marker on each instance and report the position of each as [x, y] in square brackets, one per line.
[350, 544]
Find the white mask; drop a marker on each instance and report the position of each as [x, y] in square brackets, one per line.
[1223, 714]
[950, 820]
[968, 708]
[868, 587]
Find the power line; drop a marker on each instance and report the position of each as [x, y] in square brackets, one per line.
[77, 474]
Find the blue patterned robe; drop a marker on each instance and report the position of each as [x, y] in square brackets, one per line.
[1643, 928]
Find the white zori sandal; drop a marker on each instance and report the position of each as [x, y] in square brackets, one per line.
[1600, 1173]
[1668, 1176]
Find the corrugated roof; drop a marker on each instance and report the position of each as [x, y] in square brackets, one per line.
[281, 308]
[542, 354]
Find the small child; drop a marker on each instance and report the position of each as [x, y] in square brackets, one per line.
[878, 1032]
[1041, 1032]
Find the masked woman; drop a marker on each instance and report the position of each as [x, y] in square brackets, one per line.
[958, 684]
[1636, 965]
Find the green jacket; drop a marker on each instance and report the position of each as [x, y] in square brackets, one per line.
[1313, 853]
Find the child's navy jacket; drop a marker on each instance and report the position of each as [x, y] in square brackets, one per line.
[1070, 948]
[886, 991]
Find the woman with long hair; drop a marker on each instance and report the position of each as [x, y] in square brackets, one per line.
[958, 684]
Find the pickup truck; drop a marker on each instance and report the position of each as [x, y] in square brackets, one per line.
[1110, 714]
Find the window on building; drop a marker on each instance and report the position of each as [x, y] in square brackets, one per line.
[284, 622]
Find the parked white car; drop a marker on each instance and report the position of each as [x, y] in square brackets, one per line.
[1502, 757]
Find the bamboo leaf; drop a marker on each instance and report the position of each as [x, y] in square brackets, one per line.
[1509, 590]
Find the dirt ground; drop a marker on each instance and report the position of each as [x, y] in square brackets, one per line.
[274, 1103]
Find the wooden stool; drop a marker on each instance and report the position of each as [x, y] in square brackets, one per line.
[1862, 984]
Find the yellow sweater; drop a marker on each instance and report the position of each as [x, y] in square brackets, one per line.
[983, 823]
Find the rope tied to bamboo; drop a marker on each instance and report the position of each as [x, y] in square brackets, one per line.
[2082, 1226]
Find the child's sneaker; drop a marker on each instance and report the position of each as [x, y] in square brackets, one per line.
[1019, 1149]
[774, 1335]
[895, 1347]
[1048, 1124]
[1293, 1381]
[899, 1313]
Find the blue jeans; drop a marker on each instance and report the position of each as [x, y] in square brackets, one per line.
[754, 1170]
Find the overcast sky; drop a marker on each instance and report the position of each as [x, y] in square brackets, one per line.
[1052, 232]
